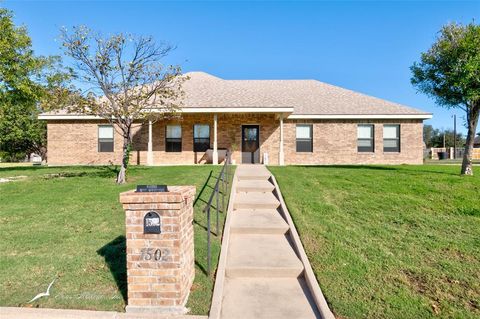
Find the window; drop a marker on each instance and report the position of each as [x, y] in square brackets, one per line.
[173, 140]
[201, 137]
[391, 138]
[105, 138]
[365, 141]
[304, 138]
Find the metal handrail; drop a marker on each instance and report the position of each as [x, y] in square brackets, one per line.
[224, 177]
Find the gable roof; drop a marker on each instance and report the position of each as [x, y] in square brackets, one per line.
[476, 140]
[205, 93]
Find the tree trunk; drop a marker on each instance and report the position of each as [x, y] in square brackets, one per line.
[121, 177]
[467, 167]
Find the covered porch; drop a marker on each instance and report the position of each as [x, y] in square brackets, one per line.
[200, 138]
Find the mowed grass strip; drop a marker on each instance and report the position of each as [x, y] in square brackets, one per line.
[68, 222]
[390, 241]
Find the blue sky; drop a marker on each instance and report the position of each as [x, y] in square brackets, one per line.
[364, 46]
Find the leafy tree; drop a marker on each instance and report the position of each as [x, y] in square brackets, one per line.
[428, 133]
[25, 79]
[434, 137]
[126, 81]
[450, 73]
[448, 135]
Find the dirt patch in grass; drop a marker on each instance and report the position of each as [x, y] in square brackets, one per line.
[12, 179]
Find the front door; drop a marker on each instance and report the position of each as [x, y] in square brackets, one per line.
[250, 144]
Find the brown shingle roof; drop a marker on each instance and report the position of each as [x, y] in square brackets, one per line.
[306, 97]
[309, 97]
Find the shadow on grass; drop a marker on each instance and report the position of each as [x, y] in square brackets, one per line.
[22, 168]
[102, 172]
[201, 267]
[468, 211]
[49, 172]
[199, 197]
[204, 202]
[403, 168]
[116, 258]
[380, 168]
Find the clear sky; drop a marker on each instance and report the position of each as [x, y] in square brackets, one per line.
[363, 46]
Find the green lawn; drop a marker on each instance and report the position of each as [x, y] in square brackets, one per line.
[457, 161]
[68, 222]
[390, 241]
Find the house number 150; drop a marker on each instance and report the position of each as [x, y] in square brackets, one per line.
[151, 253]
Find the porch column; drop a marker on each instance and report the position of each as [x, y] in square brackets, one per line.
[281, 155]
[215, 151]
[150, 145]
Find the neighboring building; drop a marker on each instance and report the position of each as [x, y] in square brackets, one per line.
[476, 142]
[279, 121]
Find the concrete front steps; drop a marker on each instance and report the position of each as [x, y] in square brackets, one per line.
[267, 298]
[263, 275]
[262, 256]
[256, 200]
[258, 221]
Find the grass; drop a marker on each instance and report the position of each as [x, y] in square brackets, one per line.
[457, 161]
[7, 164]
[390, 241]
[68, 222]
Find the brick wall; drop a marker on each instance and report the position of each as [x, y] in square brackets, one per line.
[76, 142]
[334, 142]
[161, 284]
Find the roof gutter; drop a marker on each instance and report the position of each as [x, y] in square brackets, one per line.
[424, 116]
[359, 116]
[189, 110]
[237, 110]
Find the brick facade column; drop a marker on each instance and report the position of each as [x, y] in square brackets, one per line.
[160, 267]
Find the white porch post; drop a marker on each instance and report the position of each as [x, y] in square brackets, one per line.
[150, 145]
[281, 155]
[215, 151]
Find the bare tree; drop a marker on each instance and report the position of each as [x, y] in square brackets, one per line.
[122, 81]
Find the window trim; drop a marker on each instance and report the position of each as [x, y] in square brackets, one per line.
[363, 149]
[105, 140]
[171, 138]
[398, 139]
[304, 139]
[209, 133]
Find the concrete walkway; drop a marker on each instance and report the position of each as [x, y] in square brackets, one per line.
[263, 277]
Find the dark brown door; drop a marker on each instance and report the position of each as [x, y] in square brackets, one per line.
[250, 144]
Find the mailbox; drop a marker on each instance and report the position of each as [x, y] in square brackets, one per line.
[151, 223]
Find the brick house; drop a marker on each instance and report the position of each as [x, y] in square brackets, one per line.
[263, 121]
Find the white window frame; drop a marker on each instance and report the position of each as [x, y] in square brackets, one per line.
[101, 140]
[365, 149]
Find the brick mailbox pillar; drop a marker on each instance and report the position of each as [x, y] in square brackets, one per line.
[160, 260]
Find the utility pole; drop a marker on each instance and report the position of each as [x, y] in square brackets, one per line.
[454, 136]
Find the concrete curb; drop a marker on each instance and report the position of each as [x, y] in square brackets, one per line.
[216, 307]
[47, 313]
[310, 278]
